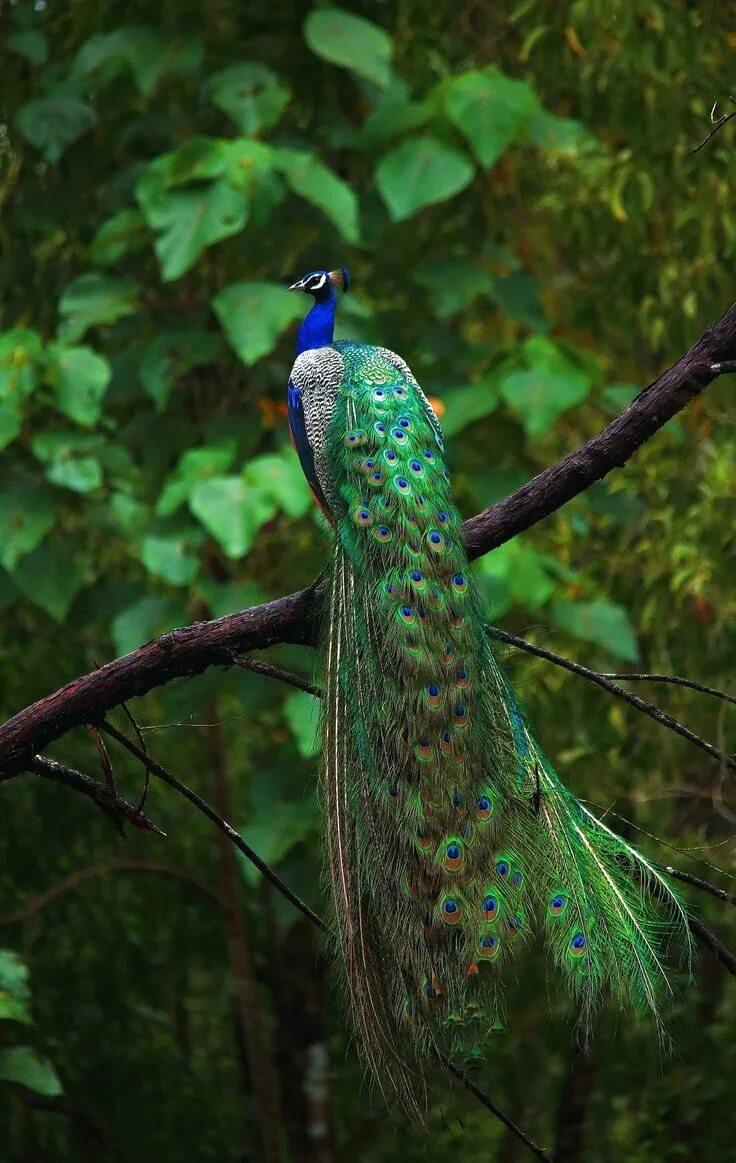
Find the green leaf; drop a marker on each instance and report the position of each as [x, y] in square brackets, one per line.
[419, 173]
[26, 516]
[393, 114]
[231, 511]
[81, 474]
[351, 42]
[122, 234]
[53, 123]
[169, 558]
[80, 377]
[93, 299]
[464, 405]
[253, 315]
[27, 1067]
[50, 577]
[195, 465]
[551, 385]
[314, 182]
[275, 831]
[250, 94]
[491, 110]
[148, 53]
[145, 620]
[10, 422]
[31, 45]
[170, 355]
[528, 575]
[453, 283]
[20, 354]
[188, 221]
[280, 479]
[517, 295]
[15, 993]
[601, 622]
[302, 715]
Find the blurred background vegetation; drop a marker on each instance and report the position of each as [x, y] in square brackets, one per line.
[512, 188]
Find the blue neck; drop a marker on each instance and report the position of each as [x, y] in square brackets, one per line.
[318, 328]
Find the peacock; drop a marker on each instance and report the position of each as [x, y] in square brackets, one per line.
[450, 840]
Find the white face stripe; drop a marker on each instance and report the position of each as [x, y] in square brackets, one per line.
[319, 284]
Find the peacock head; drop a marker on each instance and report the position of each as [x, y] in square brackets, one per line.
[320, 284]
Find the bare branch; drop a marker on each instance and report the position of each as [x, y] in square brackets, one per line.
[193, 649]
[717, 123]
[118, 809]
[602, 681]
[675, 680]
[161, 773]
[93, 872]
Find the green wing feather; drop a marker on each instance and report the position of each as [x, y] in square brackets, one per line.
[449, 835]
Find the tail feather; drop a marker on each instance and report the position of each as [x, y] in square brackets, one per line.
[450, 837]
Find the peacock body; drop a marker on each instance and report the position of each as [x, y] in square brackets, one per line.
[450, 840]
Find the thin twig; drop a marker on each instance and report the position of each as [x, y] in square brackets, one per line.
[105, 760]
[114, 806]
[82, 875]
[674, 679]
[461, 1076]
[144, 747]
[717, 124]
[697, 882]
[158, 770]
[633, 700]
[259, 666]
[709, 939]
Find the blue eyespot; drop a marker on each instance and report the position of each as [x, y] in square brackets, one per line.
[433, 689]
[435, 538]
[443, 518]
[502, 868]
[488, 942]
[453, 851]
[450, 906]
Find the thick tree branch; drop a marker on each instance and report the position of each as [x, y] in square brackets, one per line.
[194, 648]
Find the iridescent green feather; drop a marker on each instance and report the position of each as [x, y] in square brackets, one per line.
[450, 837]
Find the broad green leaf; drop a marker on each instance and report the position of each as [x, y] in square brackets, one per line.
[122, 234]
[564, 134]
[393, 114]
[302, 714]
[170, 355]
[169, 558]
[50, 577]
[26, 516]
[195, 465]
[145, 620]
[53, 123]
[28, 1068]
[93, 299]
[15, 993]
[601, 622]
[81, 474]
[80, 377]
[231, 511]
[517, 295]
[274, 831]
[453, 283]
[253, 315]
[10, 422]
[281, 480]
[419, 173]
[527, 574]
[148, 53]
[551, 384]
[188, 221]
[313, 181]
[20, 355]
[491, 110]
[250, 94]
[198, 159]
[465, 405]
[350, 41]
[31, 45]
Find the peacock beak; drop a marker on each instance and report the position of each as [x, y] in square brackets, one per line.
[297, 286]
